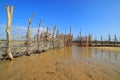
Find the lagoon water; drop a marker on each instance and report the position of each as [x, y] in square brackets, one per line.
[69, 63]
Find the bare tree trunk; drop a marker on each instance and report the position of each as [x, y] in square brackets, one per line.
[9, 11]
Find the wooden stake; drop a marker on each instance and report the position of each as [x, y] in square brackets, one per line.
[28, 36]
[9, 11]
[53, 36]
[38, 37]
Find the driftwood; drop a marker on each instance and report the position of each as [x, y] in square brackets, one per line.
[9, 11]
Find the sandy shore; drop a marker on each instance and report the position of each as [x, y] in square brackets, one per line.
[58, 65]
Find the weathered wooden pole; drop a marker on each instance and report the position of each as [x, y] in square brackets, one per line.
[53, 36]
[95, 41]
[90, 40]
[80, 38]
[57, 38]
[38, 37]
[28, 36]
[115, 40]
[87, 40]
[109, 40]
[65, 38]
[46, 38]
[71, 36]
[28, 39]
[9, 11]
[101, 40]
[41, 40]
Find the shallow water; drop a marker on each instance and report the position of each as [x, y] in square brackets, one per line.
[92, 54]
[69, 63]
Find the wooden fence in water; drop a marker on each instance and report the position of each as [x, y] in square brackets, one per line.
[31, 44]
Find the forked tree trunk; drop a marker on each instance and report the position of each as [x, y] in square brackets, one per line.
[9, 11]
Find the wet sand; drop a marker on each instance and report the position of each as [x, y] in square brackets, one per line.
[70, 63]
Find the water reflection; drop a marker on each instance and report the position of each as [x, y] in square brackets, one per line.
[68, 53]
[79, 53]
[84, 53]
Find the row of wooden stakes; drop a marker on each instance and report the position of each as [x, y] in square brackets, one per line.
[49, 40]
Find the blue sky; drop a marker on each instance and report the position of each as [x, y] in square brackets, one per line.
[96, 17]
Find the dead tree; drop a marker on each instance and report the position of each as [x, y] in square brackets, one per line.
[38, 37]
[9, 11]
[28, 36]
